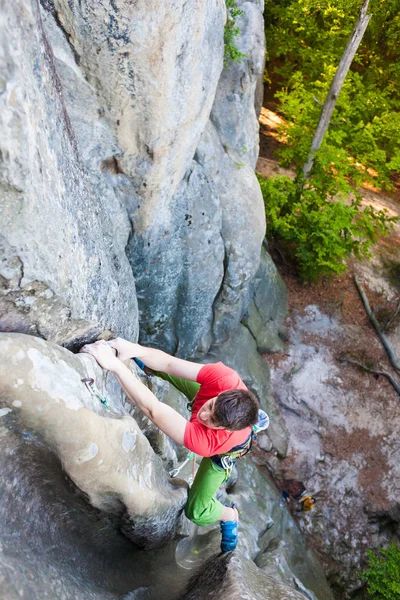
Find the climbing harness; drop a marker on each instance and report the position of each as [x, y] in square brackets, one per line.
[227, 460]
[89, 383]
[190, 456]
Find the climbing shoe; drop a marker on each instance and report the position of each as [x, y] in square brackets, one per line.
[229, 533]
[140, 364]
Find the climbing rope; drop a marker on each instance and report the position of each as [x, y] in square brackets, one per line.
[89, 383]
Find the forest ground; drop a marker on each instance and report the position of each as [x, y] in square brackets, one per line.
[343, 423]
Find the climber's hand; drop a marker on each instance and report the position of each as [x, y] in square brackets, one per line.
[124, 348]
[104, 355]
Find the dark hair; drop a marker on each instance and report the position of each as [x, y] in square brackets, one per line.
[235, 410]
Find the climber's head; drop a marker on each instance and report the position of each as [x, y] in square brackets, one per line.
[233, 410]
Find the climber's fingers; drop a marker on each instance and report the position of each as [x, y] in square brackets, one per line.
[103, 354]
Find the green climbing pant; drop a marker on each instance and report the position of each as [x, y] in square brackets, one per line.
[201, 508]
[188, 388]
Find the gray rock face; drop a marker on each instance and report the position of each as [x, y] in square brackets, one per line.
[268, 307]
[104, 453]
[139, 140]
[179, 268]
[235, 97]
[64, 273]
[155, 69]
[217, 205]
[242, 213]
[232, 576]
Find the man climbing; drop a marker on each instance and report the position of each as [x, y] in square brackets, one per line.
[220, 427]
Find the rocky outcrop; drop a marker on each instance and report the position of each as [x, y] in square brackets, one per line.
[232, 576]
[127, 196]
[103, 452]
[94, 473]
[138, 174]
[64, 273]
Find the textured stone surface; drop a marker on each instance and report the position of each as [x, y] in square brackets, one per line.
[343, 427]
[64, 271]
[138, 139]
[234, 102]
[242, 212]
[178, 268]
[231, 576]
[105, 454]
[268, 307]
[155, 68]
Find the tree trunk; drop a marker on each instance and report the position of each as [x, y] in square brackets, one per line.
[336, 86]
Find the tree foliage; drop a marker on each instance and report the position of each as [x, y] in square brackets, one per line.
[319, 233]
[306, 39]
[383, 574]
[231, 31]
[322, 220]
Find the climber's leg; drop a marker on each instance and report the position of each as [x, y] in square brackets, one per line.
[189, 388]
[202, 508]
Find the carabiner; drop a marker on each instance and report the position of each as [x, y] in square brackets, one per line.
[89, 383]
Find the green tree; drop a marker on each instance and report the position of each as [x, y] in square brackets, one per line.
[231, 31]
[321, 220]
[383, 574]
[305, 40]
[318, 233]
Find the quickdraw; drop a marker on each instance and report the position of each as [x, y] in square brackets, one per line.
[89, 383]
[190, 456]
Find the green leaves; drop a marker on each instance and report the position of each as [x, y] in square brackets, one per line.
[383, 574]
[305, 40]
[321, 222]
[319, 231]
[231, 52]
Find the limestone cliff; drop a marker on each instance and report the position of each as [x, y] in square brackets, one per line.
[127, 171]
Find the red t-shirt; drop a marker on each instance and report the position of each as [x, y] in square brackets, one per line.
[213, 379]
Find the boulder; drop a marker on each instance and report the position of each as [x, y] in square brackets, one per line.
[103, 452]
[232, 576]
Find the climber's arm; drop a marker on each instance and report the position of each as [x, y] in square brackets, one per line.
[162, 415]
[156, 359]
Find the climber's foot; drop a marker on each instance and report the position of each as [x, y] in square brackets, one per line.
[230, 533]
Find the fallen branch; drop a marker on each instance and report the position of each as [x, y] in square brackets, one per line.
[281, 255]
[383, 373]
[394, 315]
[385, 342]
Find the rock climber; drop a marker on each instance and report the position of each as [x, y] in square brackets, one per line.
[306, 503]
[220, 428]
